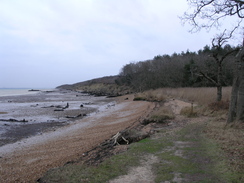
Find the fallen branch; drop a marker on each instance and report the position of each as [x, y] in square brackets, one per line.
[58, 110]
[48, 106]
[14, 120]
[58, 106]
[79, 115]
[117, 136]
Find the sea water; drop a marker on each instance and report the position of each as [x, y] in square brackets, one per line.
[16, 91]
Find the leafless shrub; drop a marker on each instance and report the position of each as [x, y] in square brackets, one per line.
[219, 105]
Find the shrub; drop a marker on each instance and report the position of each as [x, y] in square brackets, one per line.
[219, 105]
[150, 95]
[188, 111]
[139, 99]
[161, 115]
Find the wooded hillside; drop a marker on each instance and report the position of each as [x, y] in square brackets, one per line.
[187, 69]
[103, 80]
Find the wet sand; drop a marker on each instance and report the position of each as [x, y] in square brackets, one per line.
[43, 112]
[28, 159]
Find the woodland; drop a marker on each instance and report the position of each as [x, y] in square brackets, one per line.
[186, 69]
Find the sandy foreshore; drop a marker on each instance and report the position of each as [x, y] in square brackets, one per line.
[28, 159]
[23, 116]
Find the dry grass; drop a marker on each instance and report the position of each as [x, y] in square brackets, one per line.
[189, 112]
[204, 97]
[162, 113]
[151, 95]
[230, 139]
[201, 96]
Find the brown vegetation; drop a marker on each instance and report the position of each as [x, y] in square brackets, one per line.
[104, 89]
[151, 95]
[104, 80]
[201, 96]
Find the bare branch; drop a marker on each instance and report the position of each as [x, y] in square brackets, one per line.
[229, 53]
[208, 78]
[209, 13]
[223, 38]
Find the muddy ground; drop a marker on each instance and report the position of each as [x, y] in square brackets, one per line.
[24, 116]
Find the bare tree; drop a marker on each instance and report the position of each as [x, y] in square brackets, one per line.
[217, 44]
[208, 14]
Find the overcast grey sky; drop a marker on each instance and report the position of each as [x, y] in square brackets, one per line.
[46, 43]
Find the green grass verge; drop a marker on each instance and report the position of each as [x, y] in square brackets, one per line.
[109, 169]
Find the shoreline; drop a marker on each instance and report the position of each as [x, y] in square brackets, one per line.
[23, 116]
[9, 92]
[28, 161]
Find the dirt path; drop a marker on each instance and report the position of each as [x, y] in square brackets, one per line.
[142, 174]
[178, 153]
[28, 160]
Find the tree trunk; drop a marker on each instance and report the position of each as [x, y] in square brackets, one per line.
[240, 102]
[233, 100]
[236, 109]
[219, 80]
[219, 93]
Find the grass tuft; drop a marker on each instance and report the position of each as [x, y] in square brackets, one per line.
[150, 95]
[163, 113]
[160, 115]
[189, 112]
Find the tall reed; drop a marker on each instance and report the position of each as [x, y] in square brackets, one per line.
[201, 96]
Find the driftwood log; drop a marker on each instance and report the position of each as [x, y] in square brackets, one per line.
[126, 137]
[58, 107]
[79, 115]
[14, 120]
[117, 137]
[58, 110]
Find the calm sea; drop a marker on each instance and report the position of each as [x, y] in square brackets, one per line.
[16, 91]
